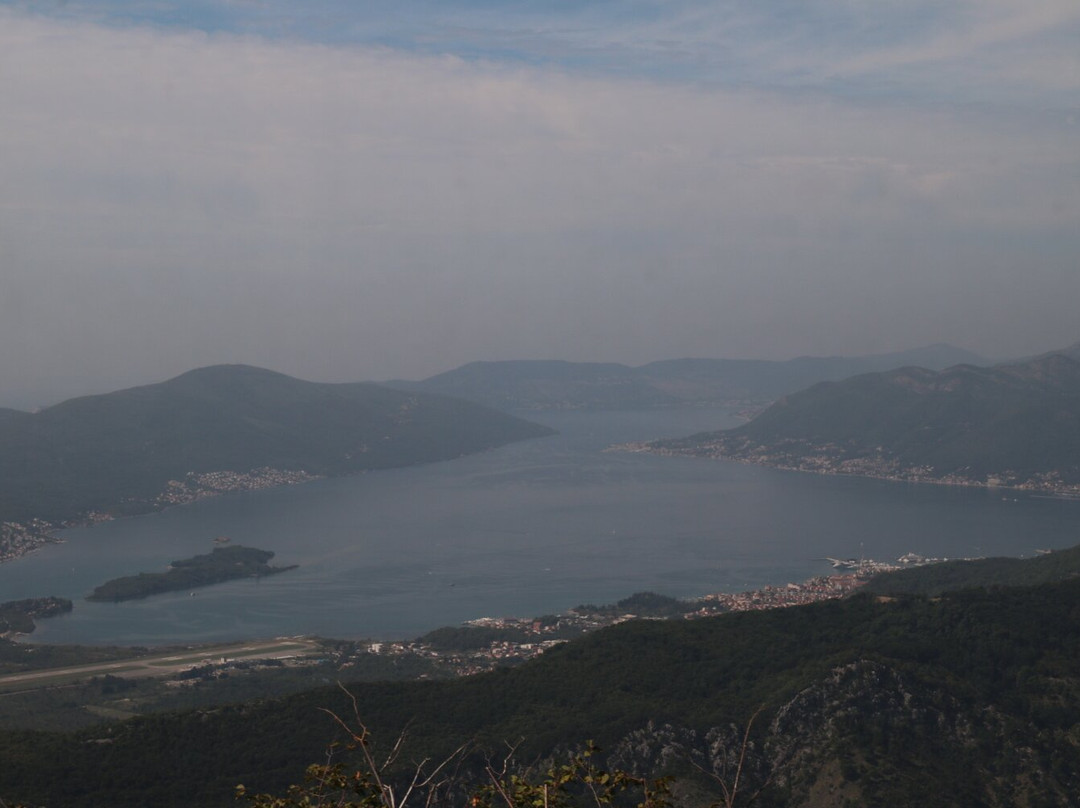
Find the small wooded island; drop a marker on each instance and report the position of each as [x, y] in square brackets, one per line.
[223, 564]
[17, 616]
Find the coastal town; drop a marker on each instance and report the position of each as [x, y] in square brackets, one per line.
[18, 539]
[21, 538]
[487, 643]
[199, 485]
[476, 646]
[515, 639]
[828, 458]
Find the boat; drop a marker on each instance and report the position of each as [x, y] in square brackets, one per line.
[912, 558]
[844, 563]
[221, 540]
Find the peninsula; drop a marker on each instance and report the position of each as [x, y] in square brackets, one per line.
[218, 430]
[223, 564]
[1012, 426]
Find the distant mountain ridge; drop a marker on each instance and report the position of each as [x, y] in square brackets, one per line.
[1010, 424]
[555, 384]
[116, 452]
[1072, 351]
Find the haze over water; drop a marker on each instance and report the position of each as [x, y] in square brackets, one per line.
[532, 528]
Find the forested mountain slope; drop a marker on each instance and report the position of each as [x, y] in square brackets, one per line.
[1011, 424]
[948, 576]
[972, 698]
[116, 452]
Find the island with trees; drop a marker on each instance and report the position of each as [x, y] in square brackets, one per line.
[223, 564]
[17, 616]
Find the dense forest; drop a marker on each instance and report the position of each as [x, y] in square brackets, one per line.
[934, 579]
[966, 699]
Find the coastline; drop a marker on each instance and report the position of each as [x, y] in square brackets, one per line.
[825, 462]
[474, 646]
[484, 643]
[19, 539]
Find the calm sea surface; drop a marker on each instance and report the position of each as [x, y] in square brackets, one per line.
[532, 528]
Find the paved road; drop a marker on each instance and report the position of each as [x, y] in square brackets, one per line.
[163, 664]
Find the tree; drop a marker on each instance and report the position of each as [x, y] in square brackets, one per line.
[370, 785]
[377, 784]
[577, 782]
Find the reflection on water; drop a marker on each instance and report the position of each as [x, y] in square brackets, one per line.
[528, 529]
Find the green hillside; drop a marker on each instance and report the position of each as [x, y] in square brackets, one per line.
[116, 452]
[934, 579]
[969, 699]
[1018, 423]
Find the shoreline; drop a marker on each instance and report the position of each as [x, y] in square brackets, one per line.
[517, 639]
[1068, 492]
[20, 539]
[1044, 488]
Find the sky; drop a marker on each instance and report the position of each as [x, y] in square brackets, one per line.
[348, 190]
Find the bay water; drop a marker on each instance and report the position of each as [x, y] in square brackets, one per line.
[532, 528]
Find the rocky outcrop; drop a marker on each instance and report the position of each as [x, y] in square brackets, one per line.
[866, 734]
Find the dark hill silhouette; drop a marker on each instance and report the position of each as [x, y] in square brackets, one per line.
[113, 452]
[1014, 422]
[543, 384]
[8, 415]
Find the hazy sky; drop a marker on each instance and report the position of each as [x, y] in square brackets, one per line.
[368, 189]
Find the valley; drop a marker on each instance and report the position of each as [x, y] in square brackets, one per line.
[539, 405]
[531, 528]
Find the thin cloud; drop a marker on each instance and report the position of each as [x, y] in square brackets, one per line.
[172, 198]
[983, 25]
[995, 52]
